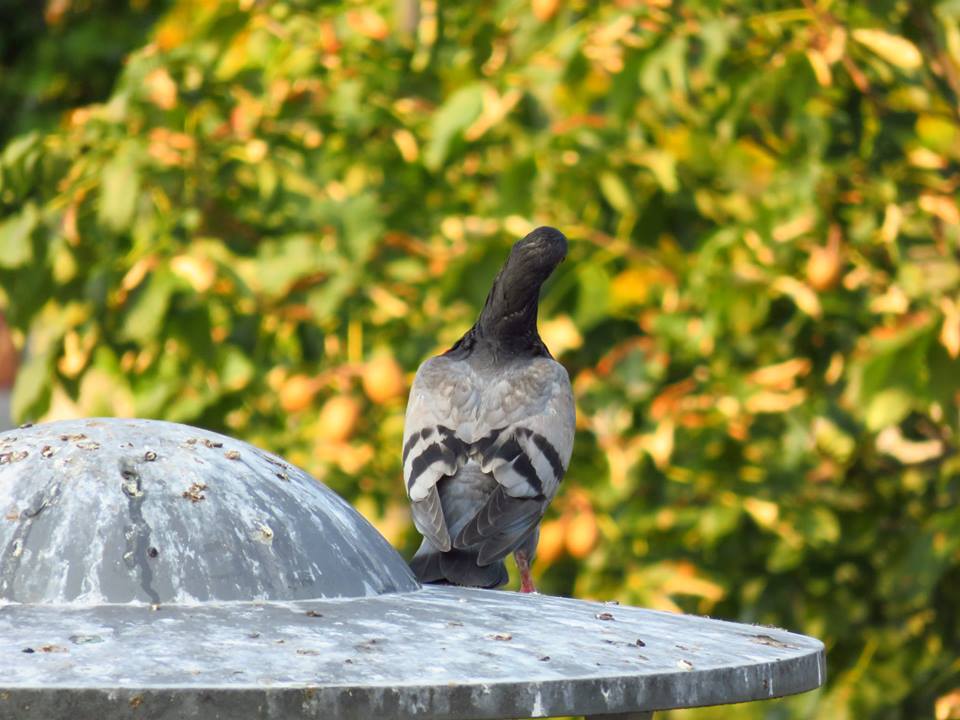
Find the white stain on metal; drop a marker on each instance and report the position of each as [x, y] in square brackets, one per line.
[121, 511]
[537, 709]
[269, 583]
[295, 644]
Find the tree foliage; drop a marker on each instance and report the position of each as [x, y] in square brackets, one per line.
[282, 209]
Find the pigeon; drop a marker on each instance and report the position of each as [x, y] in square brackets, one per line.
[489, 431]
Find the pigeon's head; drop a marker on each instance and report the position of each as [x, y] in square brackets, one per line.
[539, 253]
[509, 317]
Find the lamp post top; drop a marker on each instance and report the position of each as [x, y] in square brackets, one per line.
[117, 511]
[317, 618]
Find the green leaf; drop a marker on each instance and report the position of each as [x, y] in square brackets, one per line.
[593, 300]
[664, 168]
[151, 399]
[460, 109]
[31, 391]
[119, 189]
[16, 246]
[888, 407]
[820, 526]
[362, 226]
[615, 192]
[325, 300]
[283, 261]
[236, 369]
[18, 148]
[149, 308]
[18, 162]
[784, 556]
[833, 441]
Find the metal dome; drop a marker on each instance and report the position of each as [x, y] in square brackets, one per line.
[245, 558]
[141, 511]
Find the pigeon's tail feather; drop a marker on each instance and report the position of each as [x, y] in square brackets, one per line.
[460, 568]
[426, 564]
[456, 567]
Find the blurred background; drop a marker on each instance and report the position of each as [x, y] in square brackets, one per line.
[260, 217]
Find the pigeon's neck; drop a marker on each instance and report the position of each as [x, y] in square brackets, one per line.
[507, 326]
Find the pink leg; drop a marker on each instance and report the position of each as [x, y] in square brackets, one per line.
[523, 564]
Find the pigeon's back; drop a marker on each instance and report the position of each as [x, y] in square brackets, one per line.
[489, 431]
[485, 448]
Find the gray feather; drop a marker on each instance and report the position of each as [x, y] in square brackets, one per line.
[501, 525]
[429, 520]
[489, 430]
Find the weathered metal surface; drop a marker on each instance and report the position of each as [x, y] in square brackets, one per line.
[158, 571]
[118, 511]
[436, 653]
[5, 422]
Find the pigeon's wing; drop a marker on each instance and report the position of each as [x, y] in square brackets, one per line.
[531, 419]
[442, 392]
[501, 525]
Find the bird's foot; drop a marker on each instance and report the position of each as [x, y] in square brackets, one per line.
[523, 565]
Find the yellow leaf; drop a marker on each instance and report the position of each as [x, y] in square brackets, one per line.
[74, 358]
[782, 375]
[256, 150]
[407, 144]
[631, 287]
[338, 418]
[161, 88]
[892, 219]
[199, 272]
[921, 157]
[55, 10]
[581, 534]
[138, 272]
[560, 334]
[764, 512]
[832, 440]
[495, 109]
[681, 579]
[942, 206]
[552, 540]
[887, 408]
[62, 407]
[619, 461]
[663, 165]
[296, 393]
[383, 379]
[891, 442]
[665, 519]
[659, 444]
[947, 707]
[894, 301]
[388, 303]
[937, 133]
[543, 10]
[892, 48]
[795, 226]
[825, 262]
[950, 332]
[103, 394]
[820, 66]
[368, 23]
[804, 297]
[517, 225]
[836, 44]
[771, 402]
[70, 231]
